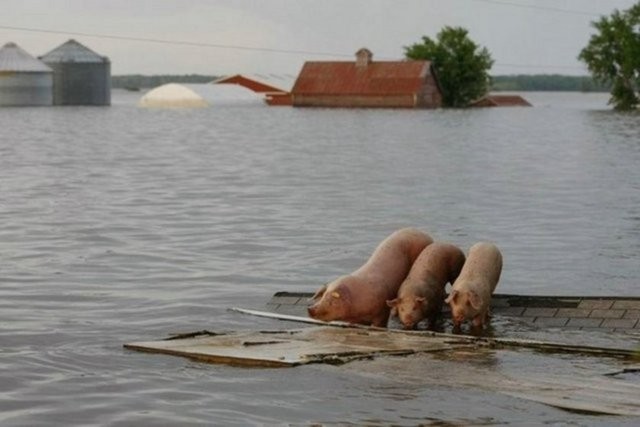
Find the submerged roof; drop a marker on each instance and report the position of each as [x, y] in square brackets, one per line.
[266, 82]
[14, 58]
[174, 95]
[501, 101]
[73, 51]
[374, 78]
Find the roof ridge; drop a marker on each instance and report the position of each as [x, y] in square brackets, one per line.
[73, 51]
[14, 58]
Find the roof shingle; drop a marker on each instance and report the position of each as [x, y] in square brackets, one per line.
[376, 78]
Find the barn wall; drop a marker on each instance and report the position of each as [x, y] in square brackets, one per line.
[430, 96]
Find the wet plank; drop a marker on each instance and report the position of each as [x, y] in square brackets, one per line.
[589, 395]
[296, 347]
[544, 346]
[542, 378]
[339, 343]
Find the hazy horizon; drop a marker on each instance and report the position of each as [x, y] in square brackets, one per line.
[227, 37]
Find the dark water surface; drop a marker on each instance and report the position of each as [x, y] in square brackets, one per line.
[120, 224]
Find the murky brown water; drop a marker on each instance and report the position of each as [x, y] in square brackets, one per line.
[119, 224]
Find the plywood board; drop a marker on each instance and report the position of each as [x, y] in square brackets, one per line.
[485, 341]
[593, 395]
[326, 343]
[295, 347]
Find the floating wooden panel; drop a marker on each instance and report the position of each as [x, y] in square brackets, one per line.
[591, 395]
[494, 342]
[338, 343]
[296, 347]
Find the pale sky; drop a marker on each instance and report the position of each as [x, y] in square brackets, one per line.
[523, 36]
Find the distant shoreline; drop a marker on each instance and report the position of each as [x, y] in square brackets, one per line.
[546, 83]
[502, 83]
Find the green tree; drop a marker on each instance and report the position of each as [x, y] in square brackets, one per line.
[462, 67]
[613, 56]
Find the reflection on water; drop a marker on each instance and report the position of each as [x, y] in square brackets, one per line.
[119, 224]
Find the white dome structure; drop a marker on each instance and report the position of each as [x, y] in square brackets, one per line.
[174, 95]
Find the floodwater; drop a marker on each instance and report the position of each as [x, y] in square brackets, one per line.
[120, 224]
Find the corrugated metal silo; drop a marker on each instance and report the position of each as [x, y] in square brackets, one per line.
[81, 76]
[24, 80]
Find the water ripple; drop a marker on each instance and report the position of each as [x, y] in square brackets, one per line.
[120, 225]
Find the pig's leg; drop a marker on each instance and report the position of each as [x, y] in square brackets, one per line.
[381, 320]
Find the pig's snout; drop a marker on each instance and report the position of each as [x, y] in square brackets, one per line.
[458, 318]
[312, 310]
[408, 324]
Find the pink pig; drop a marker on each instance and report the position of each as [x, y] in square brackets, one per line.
[470, 295]
[361, 296]
[422, 293]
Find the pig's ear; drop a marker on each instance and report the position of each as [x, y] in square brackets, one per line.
[475, 300]
[320, 292]
[393, 302]
[453, 297]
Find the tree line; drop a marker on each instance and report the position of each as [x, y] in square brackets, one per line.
[547, 82]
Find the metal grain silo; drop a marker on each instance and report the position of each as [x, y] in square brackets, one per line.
[80, 76]
[24, 80]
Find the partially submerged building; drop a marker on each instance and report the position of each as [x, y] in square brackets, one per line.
[24, 80]
[175, 95]
[367, 83]
[81, 76]
[276, 88]
[501, 101]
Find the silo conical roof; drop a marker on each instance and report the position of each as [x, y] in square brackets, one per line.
[73, 51]
[14, 58]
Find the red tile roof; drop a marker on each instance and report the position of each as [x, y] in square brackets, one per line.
[376, 78]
